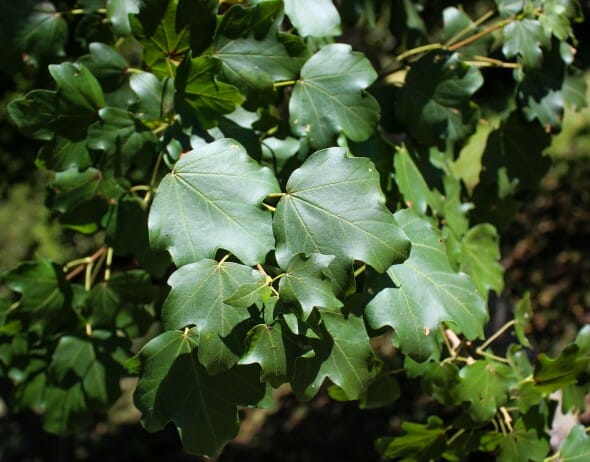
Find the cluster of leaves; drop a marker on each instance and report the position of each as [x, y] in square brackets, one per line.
[296, 210]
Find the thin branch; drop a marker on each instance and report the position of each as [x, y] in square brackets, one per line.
[470, 27]
[497, 334]
[418, 50]
[483, 33]
[284, 83]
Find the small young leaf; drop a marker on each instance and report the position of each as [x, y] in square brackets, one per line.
[484, 385]
[305, 282]
[422, 442]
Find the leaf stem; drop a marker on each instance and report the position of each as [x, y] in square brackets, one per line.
[497, 334]
[507, 418]
[360, 270]
[281, 194]
[148, 196]
[82, 263]
[78, 11]
[456, 435]
[224, 259]
[269, 207]
[418, 50]
[284, 83]
[107, 271]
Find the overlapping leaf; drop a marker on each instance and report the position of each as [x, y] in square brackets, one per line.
[272, 347]
[435, 102]
[334, 206]
[484, 385]
[212, 200]
[197, 85]
[329, 98]
[305, 282]
[576, 446]
[175, 387]
[118, 12]
[428, 292]
[197, 298]
[343, 355]
[524, 38]
[420, 442]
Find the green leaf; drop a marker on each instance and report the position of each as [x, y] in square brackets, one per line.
[484, 385]
[305, 282]
[121, 137]
[73, 188]
[78, 86]
[127, 233]
[457, 25]
[422, 442]
[44, 34]
[164, 45]
[329, 98]
[248, 63]
[576, 446]
[522, 445]
[343, 355]
[434, 103]
[509, 7]
[77, 356]
[408, 177]
[383, 391]
[34, 114]
[574, 89]
[118, 12]
[127, 291]
[211, 200]
[61, 154]
[106, 64]
[175, 387]
[554, 373]
[155, 98]
[197, 298]
[199, 17]
[342, 194]
[45, 292]
[197, 85]
[66, 409]
[525, 38]
[428, 292]
[270, 346]
[316, 18]
[540, 91]
[479, 258]
[557, 17]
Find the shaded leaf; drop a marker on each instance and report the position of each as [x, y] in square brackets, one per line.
[343, 355]
[305, 282]
[175, 387]
[421, 442]
[197, 299]
[329, 97]
[522, 445]
[44, 34]
[428, 292]
[484, 385]
[78, 86]
[434, 103]
[554, 373]
[197, 85]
